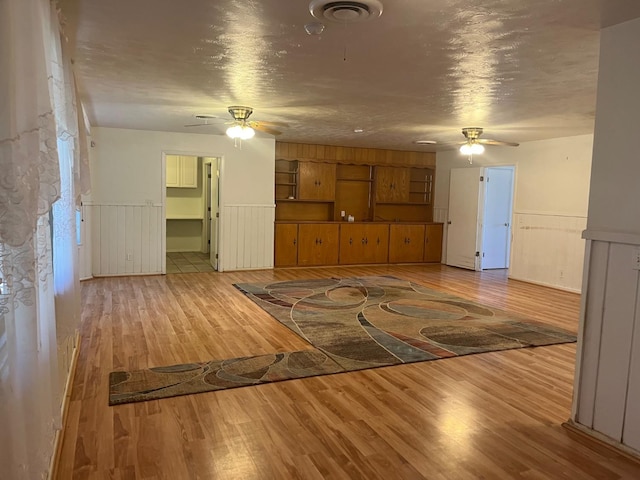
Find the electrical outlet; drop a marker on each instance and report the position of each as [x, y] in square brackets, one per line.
[635, 261]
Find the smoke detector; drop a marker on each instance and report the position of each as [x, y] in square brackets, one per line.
[346, 11]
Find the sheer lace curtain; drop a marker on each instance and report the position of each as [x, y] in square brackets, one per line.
[39, 300]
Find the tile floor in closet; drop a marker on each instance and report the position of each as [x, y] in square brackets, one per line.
[188, 262]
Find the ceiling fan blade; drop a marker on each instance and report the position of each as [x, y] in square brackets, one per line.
[269, 124]
[201, 125]
[499, 143]
[264, 129]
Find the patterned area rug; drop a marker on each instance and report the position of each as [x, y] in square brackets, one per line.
[353, 323]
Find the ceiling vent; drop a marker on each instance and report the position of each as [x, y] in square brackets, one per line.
[347, 11]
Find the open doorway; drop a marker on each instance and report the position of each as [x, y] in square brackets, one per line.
[212, 208]
[191, 199]
[480, 211]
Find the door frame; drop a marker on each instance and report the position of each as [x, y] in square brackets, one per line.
[482, 210]
[211, 165]
[512, 169]
[163, 196]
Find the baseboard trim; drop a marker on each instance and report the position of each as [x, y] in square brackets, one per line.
[548, 285]
[603, 440]
[66, 400]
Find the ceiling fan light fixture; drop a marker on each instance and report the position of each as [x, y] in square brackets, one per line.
[243, 132]
[472, 149]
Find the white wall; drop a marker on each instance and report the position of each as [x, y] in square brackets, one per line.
[127, 195]
[607, 389]
[550, 205]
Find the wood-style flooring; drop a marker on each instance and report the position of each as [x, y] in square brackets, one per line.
[491, 416]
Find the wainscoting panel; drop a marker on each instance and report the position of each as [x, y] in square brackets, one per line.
[593, 306]
[615, 343]
[126, 239]
[608, 376]
[247, 237]
[548, 250]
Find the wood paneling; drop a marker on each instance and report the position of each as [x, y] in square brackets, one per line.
[353, 197]
[615, 342]
[406, 243]
[608, 383]
[594, 305]
[126, 239]
[247, 233]
[495, 415]
[353, 155]
[286, 245]
[304, 211]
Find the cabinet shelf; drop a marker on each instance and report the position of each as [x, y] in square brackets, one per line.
[289, 184]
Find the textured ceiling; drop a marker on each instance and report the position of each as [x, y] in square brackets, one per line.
[522, 69]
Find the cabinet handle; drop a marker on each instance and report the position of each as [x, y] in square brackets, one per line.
[320, 241]
[316, 241]
[294, 241]
[350, 241]
[366, 241]
[378, 241]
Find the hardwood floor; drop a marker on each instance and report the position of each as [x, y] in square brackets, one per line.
[495, 415]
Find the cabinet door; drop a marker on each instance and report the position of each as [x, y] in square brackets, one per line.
[173, 175]
[352, 250]
[433, 243]
[286, 244]
[318, 244]
[317, 181]
[363, 243]
[392, 184]
[406, 243]
[188, 171]
[376, 243]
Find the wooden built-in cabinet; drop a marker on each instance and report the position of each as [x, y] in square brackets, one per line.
[286, 245]
[363, 243]
[354, 243]
[316, 181]
[392, 184]
[433, 243]
[406, 243]
[317, 187]
[318, 244]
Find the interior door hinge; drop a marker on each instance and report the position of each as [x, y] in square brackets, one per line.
[477, 254]
[216, 256]
[217, 214]
[482, 179]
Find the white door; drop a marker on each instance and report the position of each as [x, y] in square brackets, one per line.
[496, 237]
[215, 212]
[465, 217]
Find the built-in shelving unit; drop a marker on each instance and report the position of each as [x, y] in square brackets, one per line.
[317, 187]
